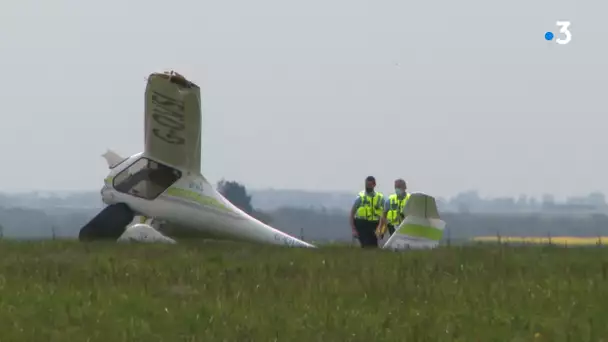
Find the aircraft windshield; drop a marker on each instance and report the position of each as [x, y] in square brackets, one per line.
[146, 179]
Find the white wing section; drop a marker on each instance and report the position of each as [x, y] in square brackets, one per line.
[422, 226]
[142, 232]
[173, 121]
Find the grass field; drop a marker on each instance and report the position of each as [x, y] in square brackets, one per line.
[66, 291]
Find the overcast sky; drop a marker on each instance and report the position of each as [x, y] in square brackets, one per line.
[316, 94]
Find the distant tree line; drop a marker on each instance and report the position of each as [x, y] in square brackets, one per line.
[332, 224]
[313, 223]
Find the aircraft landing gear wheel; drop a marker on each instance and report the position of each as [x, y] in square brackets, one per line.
[109, 224]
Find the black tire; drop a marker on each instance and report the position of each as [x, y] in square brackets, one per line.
[109, 224]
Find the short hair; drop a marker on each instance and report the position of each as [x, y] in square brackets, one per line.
[370, 179]
[400, 180]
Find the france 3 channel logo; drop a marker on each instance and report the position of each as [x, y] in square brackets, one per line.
[565, 34]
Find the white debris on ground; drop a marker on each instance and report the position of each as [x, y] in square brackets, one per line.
[142, 232]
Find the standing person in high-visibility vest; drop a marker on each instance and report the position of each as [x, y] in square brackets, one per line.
[365, 214]
[393, 209]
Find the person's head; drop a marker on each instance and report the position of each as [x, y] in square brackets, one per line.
[370, 183]
[400, 187]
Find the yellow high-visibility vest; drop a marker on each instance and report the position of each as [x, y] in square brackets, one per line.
[370, 208]
[395, 209]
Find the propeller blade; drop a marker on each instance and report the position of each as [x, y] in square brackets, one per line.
[110, 223]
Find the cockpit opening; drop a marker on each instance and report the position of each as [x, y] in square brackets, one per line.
[146, 178]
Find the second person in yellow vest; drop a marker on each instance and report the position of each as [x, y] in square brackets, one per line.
[393, 209]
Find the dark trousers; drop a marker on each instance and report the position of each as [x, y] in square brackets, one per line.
[366, 231]
[391, 229]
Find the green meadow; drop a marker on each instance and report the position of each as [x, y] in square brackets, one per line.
[220, 291]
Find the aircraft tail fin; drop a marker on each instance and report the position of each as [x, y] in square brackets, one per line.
[422, 226]
[112, 158]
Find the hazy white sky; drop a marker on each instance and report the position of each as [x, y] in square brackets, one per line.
[316, 94]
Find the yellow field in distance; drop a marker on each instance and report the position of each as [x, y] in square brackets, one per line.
[556, 240]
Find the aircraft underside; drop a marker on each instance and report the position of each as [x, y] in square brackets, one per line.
[115, 223]
[109, 224]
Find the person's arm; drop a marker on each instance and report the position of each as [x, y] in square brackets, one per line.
[381, 229]
[351, 219]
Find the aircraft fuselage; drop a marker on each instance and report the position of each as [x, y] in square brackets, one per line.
[186, 201]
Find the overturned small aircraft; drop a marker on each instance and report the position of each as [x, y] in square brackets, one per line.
[160, 193]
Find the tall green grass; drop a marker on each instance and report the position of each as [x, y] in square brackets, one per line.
[67, 291]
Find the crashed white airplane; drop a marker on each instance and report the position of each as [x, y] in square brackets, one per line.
[164, 183]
